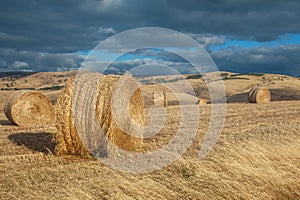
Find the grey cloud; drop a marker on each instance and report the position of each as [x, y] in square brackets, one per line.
[281, 59]
[37, 61]
[150, 67]
[19, 64]
[109, 30]
[208, 39]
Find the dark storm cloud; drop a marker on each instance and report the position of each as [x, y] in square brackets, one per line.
[260, 20]
[61, 27]
[65, 25]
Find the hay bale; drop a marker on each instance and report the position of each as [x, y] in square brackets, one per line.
[259, 95]
[159, 98]
[93, 103]
[175, 99]
[28, 108]
[202, 102]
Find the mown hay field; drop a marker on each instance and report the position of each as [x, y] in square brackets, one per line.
[256, 157]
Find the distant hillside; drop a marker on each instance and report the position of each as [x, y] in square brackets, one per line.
[39, 80]
[237, 85]
[15, 75]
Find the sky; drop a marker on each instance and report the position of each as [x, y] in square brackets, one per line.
[240, 35]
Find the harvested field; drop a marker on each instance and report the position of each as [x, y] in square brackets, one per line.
[257, 155]
[254, 158]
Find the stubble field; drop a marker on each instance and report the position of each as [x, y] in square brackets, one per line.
[257, 156]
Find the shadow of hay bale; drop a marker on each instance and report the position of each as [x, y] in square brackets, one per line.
[5, 122]
[238, 98]
[40, 142]
[280, 94]
[285, 94]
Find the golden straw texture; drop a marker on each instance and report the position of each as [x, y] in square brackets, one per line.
[28, 108]
[87, 100]
[259, 95]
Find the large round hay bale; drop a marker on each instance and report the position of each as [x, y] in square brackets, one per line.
[92, 102]
[259, 95]
[28, 108]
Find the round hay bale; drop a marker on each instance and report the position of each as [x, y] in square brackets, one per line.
[28, 108]
[92, 102]
[180, 98]
[202, 102]
[159, 98]
[165, 99]
[259, 95]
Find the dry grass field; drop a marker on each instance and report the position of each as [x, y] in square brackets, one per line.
[257, 155]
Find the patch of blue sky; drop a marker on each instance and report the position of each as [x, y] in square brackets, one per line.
[84, 52]
[100, 55]
[140, 54]
[104, 55]
[286, 39]
[133, 56]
